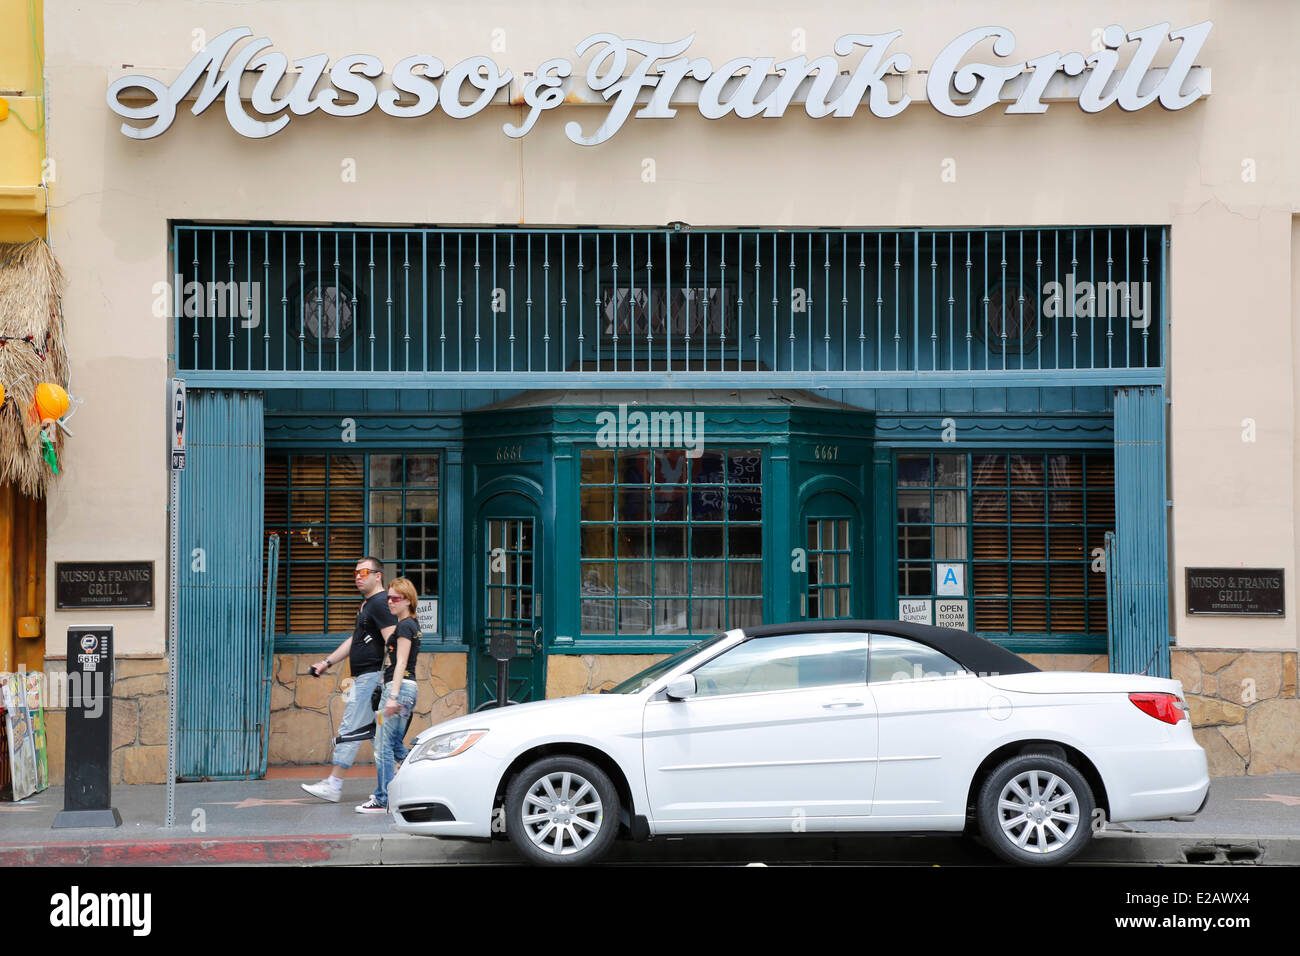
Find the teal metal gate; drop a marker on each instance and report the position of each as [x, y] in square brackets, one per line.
[223, 674]
[1137, 564]
[268, 644]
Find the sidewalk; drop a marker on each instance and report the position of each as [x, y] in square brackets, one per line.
[1248, 820]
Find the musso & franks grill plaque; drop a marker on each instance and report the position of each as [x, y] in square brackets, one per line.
[1256, 592]
[100, 584]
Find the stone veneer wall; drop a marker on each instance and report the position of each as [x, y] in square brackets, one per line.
[568, 675]
[140, 721]
[301, 724]
[1245, 708]
[1097, 663]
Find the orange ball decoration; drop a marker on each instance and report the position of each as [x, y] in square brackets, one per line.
[51, 400]
[2, 394]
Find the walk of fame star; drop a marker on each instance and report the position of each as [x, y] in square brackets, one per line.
[1283, 798]
[259, 802]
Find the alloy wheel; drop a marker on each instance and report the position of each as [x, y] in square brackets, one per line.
[1038, 811]
[562, 813]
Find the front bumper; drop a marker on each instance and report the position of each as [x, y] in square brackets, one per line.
[445, 798]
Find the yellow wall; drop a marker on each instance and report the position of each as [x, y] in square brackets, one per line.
[22, 217]
[22, 148]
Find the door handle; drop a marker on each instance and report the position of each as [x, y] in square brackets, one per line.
[843, 702]
[537, 639]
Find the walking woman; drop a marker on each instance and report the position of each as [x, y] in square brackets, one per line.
[399, 691]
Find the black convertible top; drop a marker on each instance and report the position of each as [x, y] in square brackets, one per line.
[972, 652]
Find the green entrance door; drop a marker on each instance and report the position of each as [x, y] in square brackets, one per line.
[832, 536]
[509, 583]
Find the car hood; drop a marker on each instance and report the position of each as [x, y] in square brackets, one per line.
[1083, 682]
[583, 710]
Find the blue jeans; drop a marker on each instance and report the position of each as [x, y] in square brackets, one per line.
[391, 750]
[356, 715]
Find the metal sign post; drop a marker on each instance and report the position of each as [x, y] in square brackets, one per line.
[176, 456]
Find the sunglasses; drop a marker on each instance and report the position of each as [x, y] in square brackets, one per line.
[363, 573]
[395, 597]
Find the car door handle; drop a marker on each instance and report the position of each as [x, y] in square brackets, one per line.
[843, 702]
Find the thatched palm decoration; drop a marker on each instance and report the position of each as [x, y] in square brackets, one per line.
[31, 352]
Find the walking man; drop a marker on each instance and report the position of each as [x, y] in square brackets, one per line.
[365, 653]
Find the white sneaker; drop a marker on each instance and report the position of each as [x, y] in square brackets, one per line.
[324, 790]
[372, 806]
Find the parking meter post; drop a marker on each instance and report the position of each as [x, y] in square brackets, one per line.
[88, 735]
[502, 647]
[503, 682]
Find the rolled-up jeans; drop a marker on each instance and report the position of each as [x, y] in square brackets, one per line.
[355, 716]
[392, 750]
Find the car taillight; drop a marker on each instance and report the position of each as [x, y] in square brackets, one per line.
[1164, 707]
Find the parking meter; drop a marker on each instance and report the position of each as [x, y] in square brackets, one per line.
[88, 735]
[501, 648]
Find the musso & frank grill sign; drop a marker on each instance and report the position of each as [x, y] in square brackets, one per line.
[656, 76]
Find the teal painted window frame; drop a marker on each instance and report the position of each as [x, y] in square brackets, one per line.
[837, 549]
[323, 643]
[509, 587]
[1020, 642]
[665, 643]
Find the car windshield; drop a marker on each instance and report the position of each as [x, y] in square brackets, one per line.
[639, 682]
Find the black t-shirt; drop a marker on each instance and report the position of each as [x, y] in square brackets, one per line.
[408, 628]
[367, 652]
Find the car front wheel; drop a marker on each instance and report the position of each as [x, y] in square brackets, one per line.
[562, 811]
[1036, 809]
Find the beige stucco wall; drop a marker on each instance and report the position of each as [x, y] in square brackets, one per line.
[1233, 292]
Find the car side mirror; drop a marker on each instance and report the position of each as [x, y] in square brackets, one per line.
[679, 688]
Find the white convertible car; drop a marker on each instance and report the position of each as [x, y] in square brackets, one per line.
[826, 727]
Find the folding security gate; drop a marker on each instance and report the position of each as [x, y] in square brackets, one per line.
[1137, 563]
[224, 672]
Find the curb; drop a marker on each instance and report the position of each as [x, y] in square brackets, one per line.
[335, 849]
[216, 851]
[1193, 848]
[398, 848]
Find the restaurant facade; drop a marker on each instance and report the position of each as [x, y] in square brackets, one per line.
[614, 330]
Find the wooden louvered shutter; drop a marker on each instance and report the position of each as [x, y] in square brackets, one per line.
[1037, 520]
[305, 555]
[989, 501]
[1067, 573]
[345, 541]
[1100, 476]
[1028, 544]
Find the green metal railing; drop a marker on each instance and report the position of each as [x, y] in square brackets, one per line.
[280, 306]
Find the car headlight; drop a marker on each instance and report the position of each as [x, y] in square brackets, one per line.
[446, 745]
